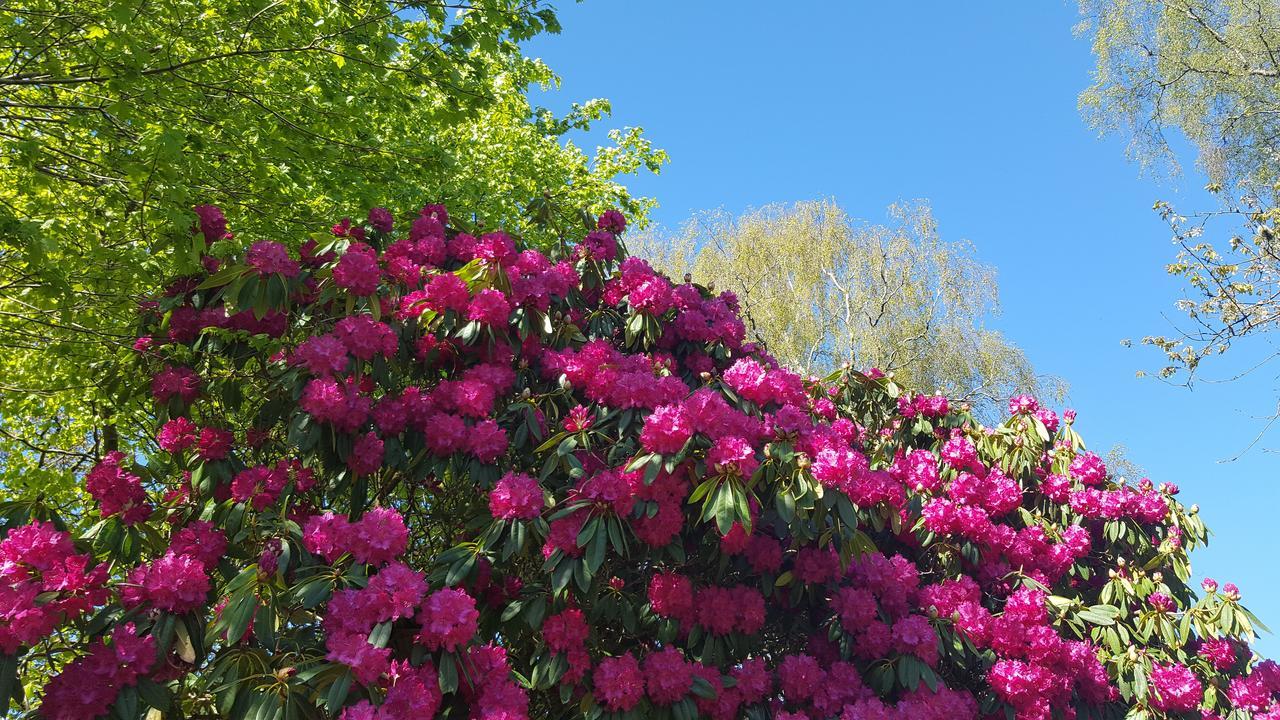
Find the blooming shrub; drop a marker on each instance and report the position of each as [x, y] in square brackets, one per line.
[442, 475]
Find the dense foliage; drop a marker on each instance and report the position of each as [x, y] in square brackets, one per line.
[415, 472]
[117, 116]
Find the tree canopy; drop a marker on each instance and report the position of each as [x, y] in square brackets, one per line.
[117, 117]
[1208, 70]
[820, 289]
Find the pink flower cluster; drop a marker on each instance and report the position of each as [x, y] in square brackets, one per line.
[176, 382]
[666, 495]
[718, 610]
[357, 270]
[1038, 671]
[378, 537]
[414, 693]
[394, 592]
[1146, 507]
[1174, 688]
[211, 223]
[178, 581]
[271, 258]
[88, 686]
[448, 620]
[118, 491]
[611, 377]
[1258, 692]
[516, 497]
[619, 684]
[668, 676]
[260, 486]
[929, 406]
[40, 561]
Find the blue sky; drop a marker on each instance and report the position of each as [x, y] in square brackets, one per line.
[972, 106]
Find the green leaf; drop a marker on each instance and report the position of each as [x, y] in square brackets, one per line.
[223, 276]
[786, 506]
[126, 704]
[380, 634]
[845, 509]
[8, 681]
[596, 550]
[238, 613]
[448, 674]
[702, 688]
[1100, 614]
[337, 694]
[154, 694]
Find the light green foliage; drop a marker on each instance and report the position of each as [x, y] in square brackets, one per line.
[1121, 464]
[820, 290]
[1206, 68]
[1210, 70]
[116, 117]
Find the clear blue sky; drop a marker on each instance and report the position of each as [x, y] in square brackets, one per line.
[972, 106]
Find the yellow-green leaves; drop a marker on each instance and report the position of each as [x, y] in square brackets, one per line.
[121, 116]
[821, 289]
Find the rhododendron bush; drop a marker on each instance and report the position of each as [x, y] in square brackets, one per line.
[406, 471]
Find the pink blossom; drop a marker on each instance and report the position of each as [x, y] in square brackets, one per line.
[600, 246]
[365, 337]
[357, 270]
[381, 220]
[671, 596]
[179, 382]
[613, 221]
[200, 540]
[668, 676]
[516, 496]
[366, 455]
[214, 444]
[733, 455]
[379, 536]
[666, 430]
[177, 435]
[1089, 469]
[173, 583]
[118, 491]
[271, 258]
[448, 619]
[446, 291]
[487, 441]
[489, 307]
[619, 684]
[87, 686]
[1174, 688]
[800, 676]
[566, 630]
